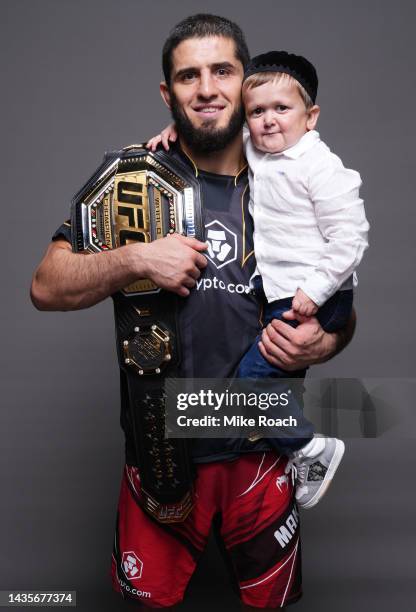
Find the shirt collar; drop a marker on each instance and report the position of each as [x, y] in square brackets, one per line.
[307, 141]
[177, 150]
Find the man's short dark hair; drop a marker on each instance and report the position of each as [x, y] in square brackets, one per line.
[200, 26]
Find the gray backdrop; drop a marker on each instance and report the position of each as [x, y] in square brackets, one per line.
[82, 76]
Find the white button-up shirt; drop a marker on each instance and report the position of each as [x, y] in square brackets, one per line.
[310, 229]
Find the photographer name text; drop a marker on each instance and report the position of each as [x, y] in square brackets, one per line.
[237, 421]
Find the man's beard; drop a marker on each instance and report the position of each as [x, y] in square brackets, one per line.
[206, 139]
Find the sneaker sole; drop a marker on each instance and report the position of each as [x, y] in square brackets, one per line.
[332, 468]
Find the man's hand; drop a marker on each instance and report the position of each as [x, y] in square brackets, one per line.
[175, 262]
[297, 348]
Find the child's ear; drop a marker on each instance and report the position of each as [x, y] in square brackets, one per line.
[313, 114]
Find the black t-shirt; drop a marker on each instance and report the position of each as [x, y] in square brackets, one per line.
[220, 319]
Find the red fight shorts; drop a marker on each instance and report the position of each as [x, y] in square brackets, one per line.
[250, 499]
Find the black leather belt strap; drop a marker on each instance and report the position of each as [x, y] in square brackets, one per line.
[147, 332]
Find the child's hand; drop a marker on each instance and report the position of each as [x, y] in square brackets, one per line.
[166, 135]
[303, 305]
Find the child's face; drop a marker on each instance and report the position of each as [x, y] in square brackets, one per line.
[277, 116]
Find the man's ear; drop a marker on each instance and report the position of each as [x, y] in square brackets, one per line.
[165, 93]
[313, 114]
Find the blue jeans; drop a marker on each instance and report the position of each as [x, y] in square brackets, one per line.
[333, 315]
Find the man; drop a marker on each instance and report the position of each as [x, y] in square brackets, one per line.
[240, 486]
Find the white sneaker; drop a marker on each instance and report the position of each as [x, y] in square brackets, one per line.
[313, 467]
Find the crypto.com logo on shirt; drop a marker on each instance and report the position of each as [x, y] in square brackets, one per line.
[222, 244]
[222, 250]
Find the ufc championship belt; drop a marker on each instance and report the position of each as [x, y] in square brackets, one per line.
[140, 196]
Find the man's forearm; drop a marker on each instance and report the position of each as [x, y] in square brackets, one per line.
[69, 281]
[337, 341]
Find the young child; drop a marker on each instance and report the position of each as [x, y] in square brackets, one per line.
[310, 233]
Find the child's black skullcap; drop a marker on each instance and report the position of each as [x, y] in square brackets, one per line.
[280, 61]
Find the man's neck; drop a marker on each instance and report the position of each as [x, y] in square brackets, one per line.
[228, 161]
